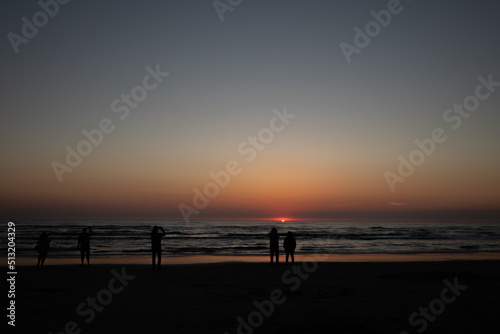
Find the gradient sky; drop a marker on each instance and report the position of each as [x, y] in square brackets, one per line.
[352, 121]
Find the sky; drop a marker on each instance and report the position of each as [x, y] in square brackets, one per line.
[305, 110]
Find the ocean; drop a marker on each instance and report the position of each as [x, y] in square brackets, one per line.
[115, 238]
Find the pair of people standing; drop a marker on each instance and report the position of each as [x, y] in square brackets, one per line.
[84, 244]
[289, 244]
[43, 245]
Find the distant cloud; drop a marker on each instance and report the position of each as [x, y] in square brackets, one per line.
[397, 203]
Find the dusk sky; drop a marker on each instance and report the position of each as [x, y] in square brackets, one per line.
[351, 116]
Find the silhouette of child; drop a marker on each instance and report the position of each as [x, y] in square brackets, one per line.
[156, 244]
[274, 245]
[42, 247]
[289, 245]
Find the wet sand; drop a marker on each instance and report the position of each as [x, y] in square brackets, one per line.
[199, 259]
[245, 297]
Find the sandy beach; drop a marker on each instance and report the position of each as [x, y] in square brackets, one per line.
[241, 297]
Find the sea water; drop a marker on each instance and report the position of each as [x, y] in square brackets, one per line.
[114, 238]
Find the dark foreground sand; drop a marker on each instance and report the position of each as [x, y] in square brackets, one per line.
[208, 298]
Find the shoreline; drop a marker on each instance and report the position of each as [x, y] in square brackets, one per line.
[209, 259]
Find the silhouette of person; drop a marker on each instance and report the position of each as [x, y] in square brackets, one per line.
[156, 245]
[289, 245]
[274, 245]
[42, 247]
[84, 244]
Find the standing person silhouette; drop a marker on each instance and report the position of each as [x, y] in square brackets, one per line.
[289, 245]
[84, 244]
[274, 245]
[156, 245]
[42, 247]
